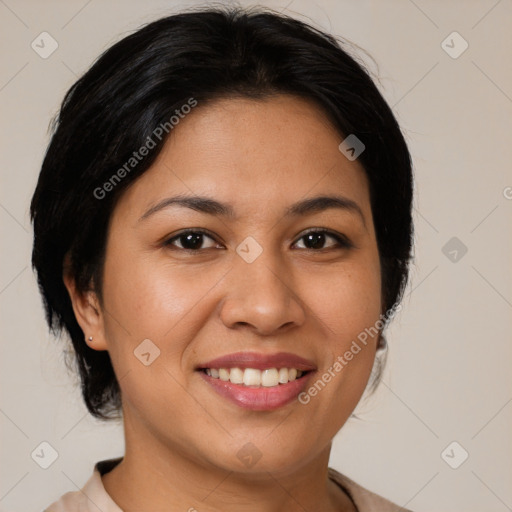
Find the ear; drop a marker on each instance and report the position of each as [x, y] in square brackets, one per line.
[87, 311]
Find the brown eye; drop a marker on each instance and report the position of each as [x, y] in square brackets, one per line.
[315, 240]
[190, 240]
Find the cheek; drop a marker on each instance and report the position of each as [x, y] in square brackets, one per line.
[152, 298]
[349, 307]
[347, 299]
[148, 297]
[148, 301]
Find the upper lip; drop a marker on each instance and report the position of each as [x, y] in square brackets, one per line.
[260, 361]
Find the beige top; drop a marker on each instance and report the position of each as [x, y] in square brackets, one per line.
[94, 498]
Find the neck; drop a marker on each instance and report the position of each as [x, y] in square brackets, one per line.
[156, 476]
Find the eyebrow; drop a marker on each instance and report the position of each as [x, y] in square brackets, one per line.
[211, 206]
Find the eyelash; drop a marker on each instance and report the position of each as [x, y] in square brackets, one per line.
[342, 240]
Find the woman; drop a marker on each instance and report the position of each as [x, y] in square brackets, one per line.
[223, 227]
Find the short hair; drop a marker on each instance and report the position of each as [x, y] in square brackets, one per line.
[137, 85]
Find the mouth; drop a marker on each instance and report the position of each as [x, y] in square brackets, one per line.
[254, 377]
[258, 381]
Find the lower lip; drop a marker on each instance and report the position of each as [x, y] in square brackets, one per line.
[258, 398]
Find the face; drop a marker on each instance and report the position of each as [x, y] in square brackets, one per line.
[260, 277]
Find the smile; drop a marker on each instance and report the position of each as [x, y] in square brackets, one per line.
[261, 382]
[269, 377]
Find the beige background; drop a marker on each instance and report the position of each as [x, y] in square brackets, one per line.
[448, 376]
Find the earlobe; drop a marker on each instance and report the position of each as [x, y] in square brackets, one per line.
[88, 314]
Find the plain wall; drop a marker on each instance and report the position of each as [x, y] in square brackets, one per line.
[448, 374]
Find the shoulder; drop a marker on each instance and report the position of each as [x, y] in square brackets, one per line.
[92, 497]
[69, 502]
[365, 500]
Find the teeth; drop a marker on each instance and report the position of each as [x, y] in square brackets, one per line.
[269, 378]
[236, 376]
[252, 377]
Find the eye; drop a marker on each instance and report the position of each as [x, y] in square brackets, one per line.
[315, 239]
[193, 240]
[190, 240]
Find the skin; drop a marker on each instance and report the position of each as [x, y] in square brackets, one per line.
[181, 437]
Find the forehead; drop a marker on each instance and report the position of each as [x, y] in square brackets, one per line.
[255, 154]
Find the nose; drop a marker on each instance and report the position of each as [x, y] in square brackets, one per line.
[261, 296]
